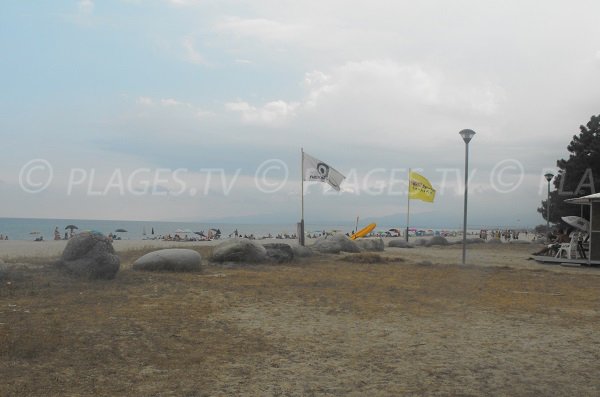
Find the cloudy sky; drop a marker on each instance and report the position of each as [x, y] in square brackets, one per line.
[197, 109]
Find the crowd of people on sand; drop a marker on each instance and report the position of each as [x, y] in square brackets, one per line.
[212, 234]
[499, 234]
[216, 234]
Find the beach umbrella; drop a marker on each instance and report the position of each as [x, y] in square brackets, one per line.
[71, 227]
[577, 222]
[120, 231]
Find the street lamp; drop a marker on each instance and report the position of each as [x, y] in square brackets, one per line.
[466, 135]
[548, 177]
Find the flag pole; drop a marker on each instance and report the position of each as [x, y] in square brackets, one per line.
[301, 232]
[408, 205]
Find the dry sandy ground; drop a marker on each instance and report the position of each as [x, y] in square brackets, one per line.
[322, 326]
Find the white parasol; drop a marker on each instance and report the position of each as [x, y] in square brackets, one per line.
[577, 222]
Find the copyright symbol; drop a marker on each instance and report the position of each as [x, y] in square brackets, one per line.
[267, 183]
[507, 175]
[36, 176]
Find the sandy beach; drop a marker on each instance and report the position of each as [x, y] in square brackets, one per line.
[415, 323]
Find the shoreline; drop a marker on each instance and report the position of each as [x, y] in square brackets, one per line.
[11, 250]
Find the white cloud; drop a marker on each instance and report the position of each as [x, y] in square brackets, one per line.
[356, 98]
[173, 102]
[164, 102]
[191, 54]
[263, 29]
[173, 107]
[85, 7]
[145, 101]
[272, 113]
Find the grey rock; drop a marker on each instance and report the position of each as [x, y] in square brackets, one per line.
[400, 243]
[370, 244]
[90, 255]
[335, 244]
[302, 251]
[436, 240]
[279, 252]
[239, 250]
[172, 260]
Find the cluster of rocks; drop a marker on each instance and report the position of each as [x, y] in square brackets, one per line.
[433, 241]
[249, 251]
[91, 254]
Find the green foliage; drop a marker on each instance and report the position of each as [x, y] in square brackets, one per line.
[579, 175]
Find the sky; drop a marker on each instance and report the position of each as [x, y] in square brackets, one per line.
[198, 109]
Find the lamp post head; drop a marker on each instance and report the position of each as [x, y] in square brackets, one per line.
[467, 135]
[549, 176]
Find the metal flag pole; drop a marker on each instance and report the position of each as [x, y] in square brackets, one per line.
[408, 205]
[301, 232]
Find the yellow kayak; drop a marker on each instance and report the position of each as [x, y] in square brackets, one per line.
[363, 232]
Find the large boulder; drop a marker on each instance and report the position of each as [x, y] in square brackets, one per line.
[90, 255]
[279, 252]
[436, 240]
[239, 250]
[301, 251]
[171, 260]
[335, 244]
[370, 244]
[400, 243]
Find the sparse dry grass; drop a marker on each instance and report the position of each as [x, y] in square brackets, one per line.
[323, 326]
[369, 257]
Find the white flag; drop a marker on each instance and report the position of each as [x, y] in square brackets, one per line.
[317, 170]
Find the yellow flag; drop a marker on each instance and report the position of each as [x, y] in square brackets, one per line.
[419, 188]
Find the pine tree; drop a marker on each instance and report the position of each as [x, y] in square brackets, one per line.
[579, 175]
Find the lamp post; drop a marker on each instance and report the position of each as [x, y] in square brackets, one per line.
[466, 135]
[548, 177]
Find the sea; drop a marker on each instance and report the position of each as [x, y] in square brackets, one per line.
[30, 229]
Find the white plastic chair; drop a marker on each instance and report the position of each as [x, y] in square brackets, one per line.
[569, 249]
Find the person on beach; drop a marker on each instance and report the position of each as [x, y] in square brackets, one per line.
[561, 238]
